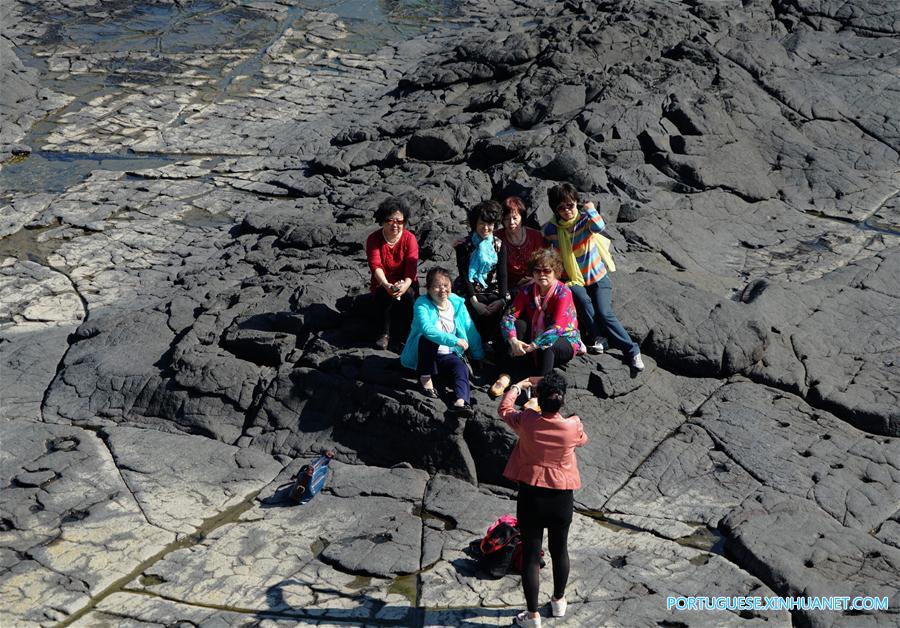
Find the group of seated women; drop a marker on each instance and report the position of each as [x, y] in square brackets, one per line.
[539, 298]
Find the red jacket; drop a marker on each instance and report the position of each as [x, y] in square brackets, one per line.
[398, 261]
[545, 452]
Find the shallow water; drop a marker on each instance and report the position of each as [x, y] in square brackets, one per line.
[45, 171]
[153, 44]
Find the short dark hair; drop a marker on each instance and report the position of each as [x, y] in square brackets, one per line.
[485, 211]
[562, 193]
[434, 273]
[513, 204]
[543, 258]
[551, 392]
[390, 205]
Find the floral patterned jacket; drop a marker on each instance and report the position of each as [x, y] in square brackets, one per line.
[560, 318]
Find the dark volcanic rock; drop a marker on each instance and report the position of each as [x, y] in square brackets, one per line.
[171, 336]
[813, 555]
[441, 144]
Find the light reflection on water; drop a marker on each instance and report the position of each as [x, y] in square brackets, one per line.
[143, 43]
[55, 172]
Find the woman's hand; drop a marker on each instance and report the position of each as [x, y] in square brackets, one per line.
[461, 342]
[401, 287]
[517, 347]
[525, 384]
[495, 307]
[479, 307]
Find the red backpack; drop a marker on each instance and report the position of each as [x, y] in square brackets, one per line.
[501, 548]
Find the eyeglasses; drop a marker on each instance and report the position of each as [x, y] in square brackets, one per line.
[542, 271]
[394, 221]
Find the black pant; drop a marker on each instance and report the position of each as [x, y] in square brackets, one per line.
[488, 326]
[542, 360]
[394, 315]
[538, 508]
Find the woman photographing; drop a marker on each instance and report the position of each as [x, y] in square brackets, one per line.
[543, 464]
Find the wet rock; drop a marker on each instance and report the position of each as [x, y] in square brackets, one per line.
[142, 610]
[285, 576]
[24, 101]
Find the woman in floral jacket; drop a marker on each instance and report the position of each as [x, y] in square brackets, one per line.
[541, 326]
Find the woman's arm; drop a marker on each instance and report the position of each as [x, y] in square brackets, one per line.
[462, 269]
[502, 272]
[581, 437]
[411, 262]
[472, 336]
[373, 256]
[508, 322]
[594, 221]
[507, 409]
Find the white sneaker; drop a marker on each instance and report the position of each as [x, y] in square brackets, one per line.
[525, 620]
[637, 363]
[596, 348]
[558, 607]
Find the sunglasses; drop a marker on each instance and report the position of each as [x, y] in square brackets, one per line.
[542, 271]
[394, 221]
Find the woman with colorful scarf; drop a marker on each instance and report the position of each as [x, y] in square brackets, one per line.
[541, 326]
[576, 234]
[481, 261]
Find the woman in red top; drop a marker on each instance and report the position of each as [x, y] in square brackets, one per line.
[544, 465]
[393, 255]
[520, 241]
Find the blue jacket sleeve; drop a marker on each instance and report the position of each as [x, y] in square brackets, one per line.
[472, 335]
[422, 317]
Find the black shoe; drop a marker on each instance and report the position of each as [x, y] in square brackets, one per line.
[382, 342]
[463, 410]
[431, 393]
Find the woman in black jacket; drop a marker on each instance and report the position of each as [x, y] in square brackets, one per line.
[481, 262]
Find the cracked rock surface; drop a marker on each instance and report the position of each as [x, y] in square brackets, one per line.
[185, 192]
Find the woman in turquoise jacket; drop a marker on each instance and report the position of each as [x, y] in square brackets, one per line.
[442, 331]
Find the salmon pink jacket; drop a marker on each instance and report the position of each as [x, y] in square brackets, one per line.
[545, 452]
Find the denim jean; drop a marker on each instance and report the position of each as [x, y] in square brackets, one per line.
[446, 364]
[594, 305]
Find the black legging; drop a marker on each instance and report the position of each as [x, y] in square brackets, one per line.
[538, 508]
[396, 313]
[543, 359]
